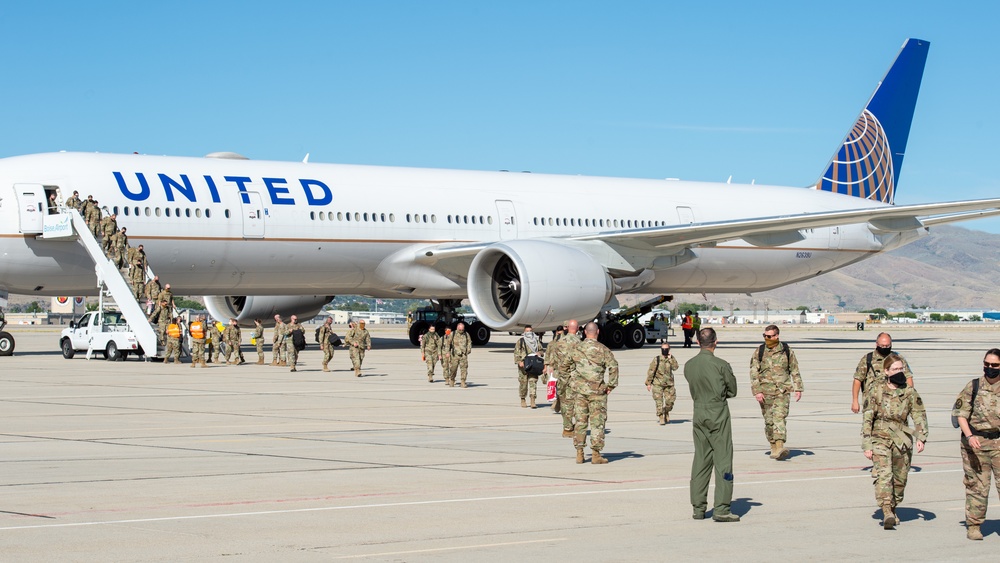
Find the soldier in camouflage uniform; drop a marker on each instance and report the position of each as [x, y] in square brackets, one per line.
[557, 364]
[214, 340]
[527, 384]
[712, 384]
[325, 332]
[93, 217]
[151, 290]
[278, 342]
[430, 350]
[258, 338]
[587, 362]
[197, 330]
[660, 381]
[234, 338]
[979, 420]
[457, 347]
[774, 373]
[73, 202]
[291, 353]
[161, 316]
[173, 332]
[358, 341]
[888, 441]
[869, 371]
[108, 227]
[119, 245]
[137, 270]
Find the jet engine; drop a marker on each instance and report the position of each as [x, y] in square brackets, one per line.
[247, 308]
[536, 282]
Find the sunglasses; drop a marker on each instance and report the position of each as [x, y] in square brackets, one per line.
[766, 335]
[990, 365]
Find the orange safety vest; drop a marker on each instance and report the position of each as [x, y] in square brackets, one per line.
[197, 330]
[174, 331]
[688, 323]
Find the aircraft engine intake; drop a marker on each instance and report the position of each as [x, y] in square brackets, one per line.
[246, 308]
[536, 282]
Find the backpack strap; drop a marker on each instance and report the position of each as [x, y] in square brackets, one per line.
[868, 360]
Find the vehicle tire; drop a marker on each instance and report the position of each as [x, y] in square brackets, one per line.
[417, 330]
[614, 336]
[111, 354]
[480, 333]
[635, 334]
[67, 348]
[6, 344]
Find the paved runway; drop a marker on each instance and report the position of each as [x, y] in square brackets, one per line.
[134, 461]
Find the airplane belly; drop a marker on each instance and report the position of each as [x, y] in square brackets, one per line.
[36, 267]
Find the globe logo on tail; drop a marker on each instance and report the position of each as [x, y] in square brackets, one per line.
[863, 165]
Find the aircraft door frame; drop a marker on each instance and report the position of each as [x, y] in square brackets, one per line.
[685, 215]
[253, 216]
[30, 208]
[835, 233]
[507, 222]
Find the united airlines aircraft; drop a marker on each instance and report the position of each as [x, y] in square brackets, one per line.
[257, 237]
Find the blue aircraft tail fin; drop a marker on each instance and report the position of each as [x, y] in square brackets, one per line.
[869, 160]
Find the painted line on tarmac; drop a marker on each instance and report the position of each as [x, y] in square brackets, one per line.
[429, 502]
[439, 549]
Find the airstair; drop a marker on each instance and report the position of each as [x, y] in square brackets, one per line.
[110, 281]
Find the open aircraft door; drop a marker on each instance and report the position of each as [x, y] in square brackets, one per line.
[253, 216]
[508, 224]
[31, 207]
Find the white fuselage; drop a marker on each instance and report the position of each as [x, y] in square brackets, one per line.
[223, 227]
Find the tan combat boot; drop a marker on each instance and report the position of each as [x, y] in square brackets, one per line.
[260, 362]
[888, 518]
[662, 422]
[274, 363]
[532, 402]
[464, 385]
[666, 418]
[524, 405]
[973, 533]
[596, 459]
[325, 368]
[579, 455]
[783, 452]
[194, 364]
[357, 372]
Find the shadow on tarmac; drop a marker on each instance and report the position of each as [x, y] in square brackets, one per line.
[741, 506]
[623, 455]
[908, 514]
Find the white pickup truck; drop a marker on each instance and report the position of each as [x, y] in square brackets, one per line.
[104, 332]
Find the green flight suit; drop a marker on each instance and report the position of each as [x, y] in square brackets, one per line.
[712, 382]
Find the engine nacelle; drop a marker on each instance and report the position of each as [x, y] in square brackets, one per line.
[247, 308]
[536, 282]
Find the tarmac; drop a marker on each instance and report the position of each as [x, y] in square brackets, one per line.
[141, 461]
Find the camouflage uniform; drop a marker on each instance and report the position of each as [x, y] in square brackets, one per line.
[872, 379]
[291, 354]
[151, 290]
[775, 376]
[660, 376]
[119, 245]
[197, 344]
[214, 339]
[527, 385]
[587, 362]
[430, 348]
[324, 344]
[358, 340]
[458, 346]
[258, 338]
[168, 296]
[890, 440]
[93, 217]
[557, 356]
[108, 227]
[233, 338]
[278, 344]
[984, 421]
[161, 314]
[73, 202]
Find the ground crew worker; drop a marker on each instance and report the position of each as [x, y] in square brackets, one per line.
[557, 358]
[588, 361]
[430, 350]
[977, 411]
[291, 352]
[173, 341]
[278, 342]
[660, 381]
[886, 439]
[459, 348]
[869, 370]
[325, 332]
[151, 290]
[358, 341]
[234, 339]
[712, 384]
[774, 374]
[197, 331]
[73, 201]
[258, 339]
[527, 383]
[214, 340]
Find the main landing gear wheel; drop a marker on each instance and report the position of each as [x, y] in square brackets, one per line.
[480, 333]
[613, 335]
[6, 344]
[417, 329]
[635, 334]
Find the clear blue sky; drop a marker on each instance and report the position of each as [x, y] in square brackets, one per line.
[693, 90]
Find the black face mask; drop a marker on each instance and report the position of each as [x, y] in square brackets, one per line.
[991, 373]
[898, 379]
[883, 351]
[667, 353]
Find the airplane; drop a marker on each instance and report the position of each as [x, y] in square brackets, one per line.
[259, 237]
